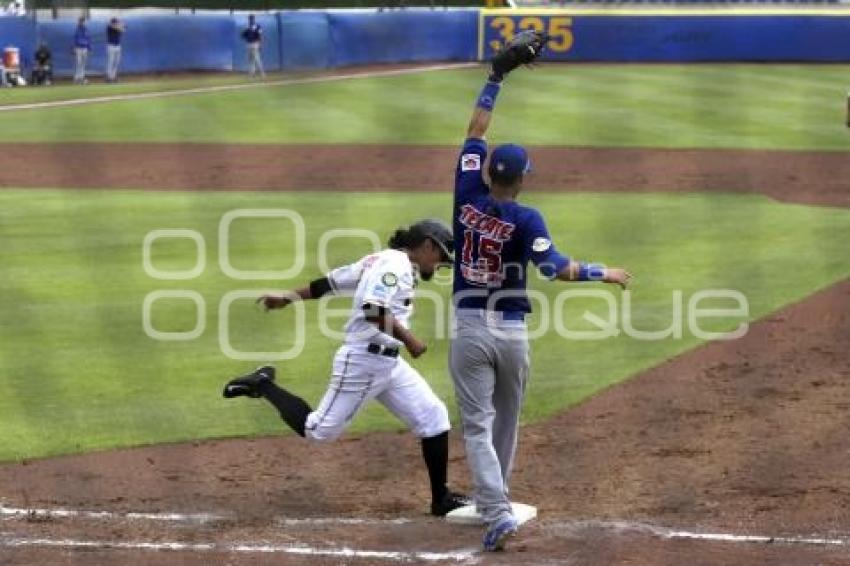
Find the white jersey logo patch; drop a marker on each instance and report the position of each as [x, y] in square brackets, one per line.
[541, 245]
[470, 162]
[389, 279]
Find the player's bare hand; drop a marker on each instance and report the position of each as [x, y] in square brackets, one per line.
[416, 347]
[271, 302]
[618, 276]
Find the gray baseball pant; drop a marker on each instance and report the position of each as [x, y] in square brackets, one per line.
[255, 60]
[82, 55]
[113, 59]
[489, 364]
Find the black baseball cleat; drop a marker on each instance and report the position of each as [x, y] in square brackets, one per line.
[449, 503]
[249, 384]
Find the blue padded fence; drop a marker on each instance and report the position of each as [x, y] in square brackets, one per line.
[633, 35]
[305, 40]
[392, 37]
[150, 44]
[292, 40]
[20, 33]
[316, 39]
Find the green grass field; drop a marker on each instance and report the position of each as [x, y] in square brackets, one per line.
[734, 106]
[67, 91]
[78, 373]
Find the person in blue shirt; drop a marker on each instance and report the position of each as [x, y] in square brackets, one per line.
[253, 36]
[82, 46]
[114, 33]
[495, 238]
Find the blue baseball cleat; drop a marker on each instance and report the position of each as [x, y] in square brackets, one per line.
[498, 534]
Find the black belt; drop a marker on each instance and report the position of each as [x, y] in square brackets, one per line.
[382, 350]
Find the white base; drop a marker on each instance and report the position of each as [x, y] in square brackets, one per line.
[467, 515]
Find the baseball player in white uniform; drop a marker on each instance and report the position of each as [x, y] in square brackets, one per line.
[368, 365]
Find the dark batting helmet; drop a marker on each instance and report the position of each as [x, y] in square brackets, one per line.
[435, 230]
[439, 232]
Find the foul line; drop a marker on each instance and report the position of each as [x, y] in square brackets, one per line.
[61, 513]
[668, 533]
[345, 552]
[342, 521]
[37, 514]
[242, 86]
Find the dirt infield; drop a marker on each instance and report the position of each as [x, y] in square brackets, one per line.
[814, 178]
[746, 438]
[734, 439]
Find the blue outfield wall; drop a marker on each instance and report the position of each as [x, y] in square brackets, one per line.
[150, 44]
[292, 40]
[21, 33]
[678, 35]
[319, 39]
[401, 36]
[305, 40]
[719, 38]
[341, 39]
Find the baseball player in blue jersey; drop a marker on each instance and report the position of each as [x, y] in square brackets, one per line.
[368, 366]
[114, 34]
[253, 36]
[495, 238]
[82, 46]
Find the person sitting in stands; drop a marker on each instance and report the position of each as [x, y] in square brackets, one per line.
[42, 74]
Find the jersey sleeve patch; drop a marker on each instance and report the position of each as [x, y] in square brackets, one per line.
[540, 245]
[389, 279]
[470, 162]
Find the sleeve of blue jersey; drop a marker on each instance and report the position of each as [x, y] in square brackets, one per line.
[475, 145]
[469, 179]
[548, 260]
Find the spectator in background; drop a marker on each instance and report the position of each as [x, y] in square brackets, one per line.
[253, 36]
[114, 32]
[42, 74]
[82, 46]
[14, 9]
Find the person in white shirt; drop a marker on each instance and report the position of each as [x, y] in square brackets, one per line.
[15, 9]
[368, 365]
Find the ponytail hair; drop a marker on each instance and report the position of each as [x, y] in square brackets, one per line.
[406, 238]
[400, 239]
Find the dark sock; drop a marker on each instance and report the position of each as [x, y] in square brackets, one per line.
[293, 409]
[435, 450]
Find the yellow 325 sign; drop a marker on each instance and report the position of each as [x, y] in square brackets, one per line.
[497, 29]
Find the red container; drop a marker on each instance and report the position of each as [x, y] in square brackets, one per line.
[11, 58]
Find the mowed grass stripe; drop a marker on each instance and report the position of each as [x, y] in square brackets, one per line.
[705, 110]
[132, 86]
[590, 105]
[78, 373]
[713, 106]
[723, 85]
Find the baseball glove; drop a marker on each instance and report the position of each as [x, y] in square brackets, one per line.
[523, 49]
